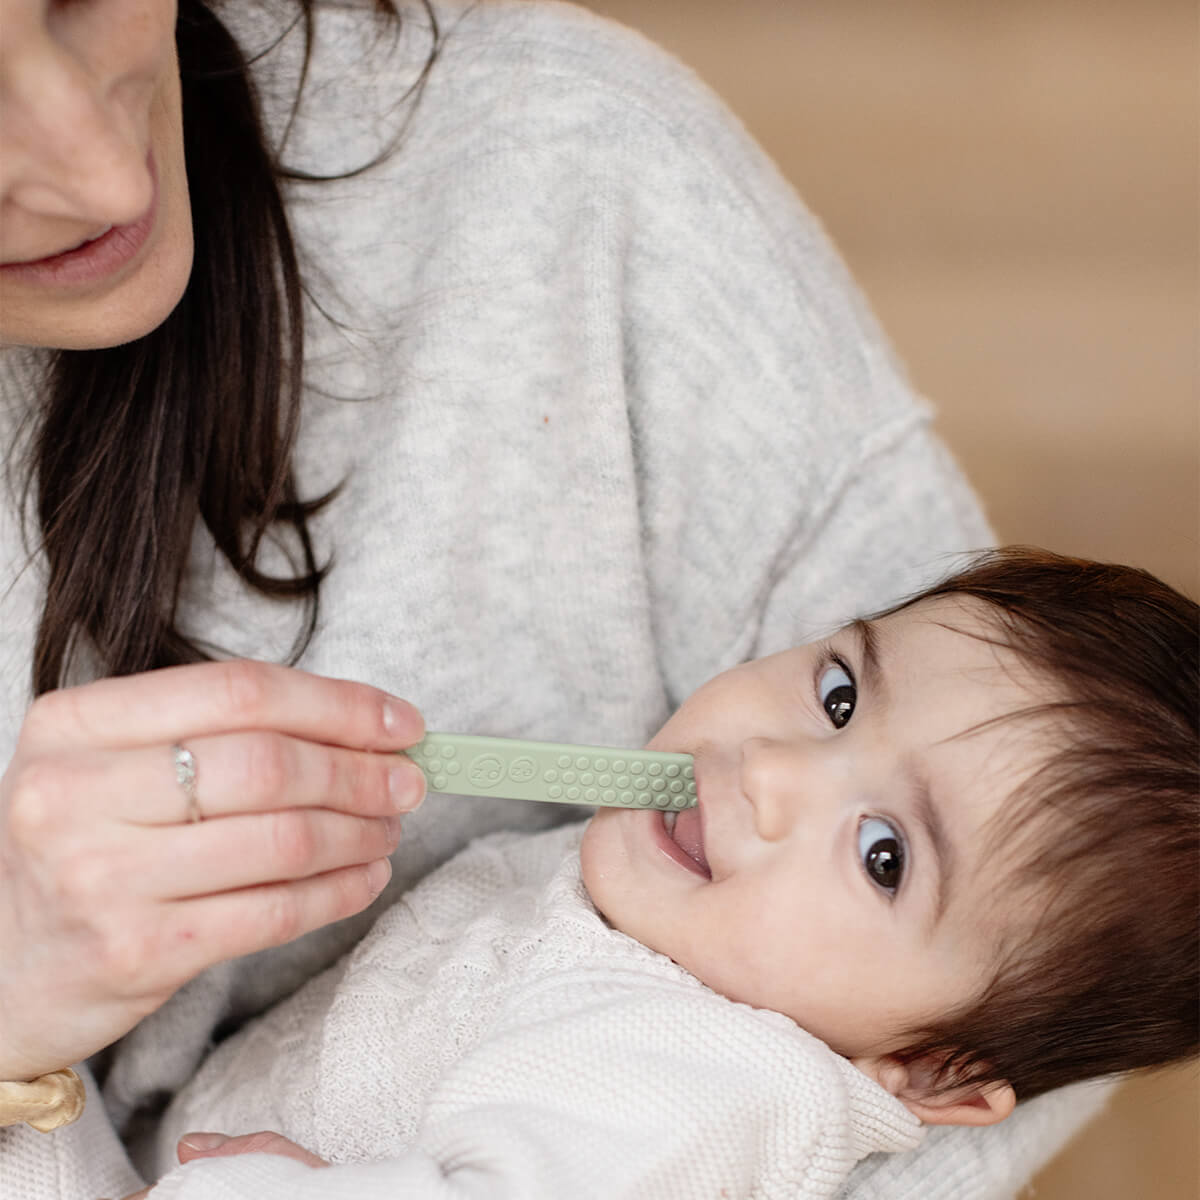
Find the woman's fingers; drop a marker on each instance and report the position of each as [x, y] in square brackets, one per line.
[240, 773]
[90, 806]
[255, 772]
[185, 861]
[195, 933]
[178, 703]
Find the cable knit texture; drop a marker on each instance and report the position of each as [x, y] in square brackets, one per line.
[492, 1027]
[610, 417]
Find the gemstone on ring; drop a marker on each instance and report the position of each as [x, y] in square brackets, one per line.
[185, 776]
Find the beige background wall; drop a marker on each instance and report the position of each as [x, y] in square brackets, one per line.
[1014, 183]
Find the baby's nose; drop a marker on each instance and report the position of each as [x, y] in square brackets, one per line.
[780, 779]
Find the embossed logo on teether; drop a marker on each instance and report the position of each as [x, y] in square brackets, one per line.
[522, 770]
[485, 771]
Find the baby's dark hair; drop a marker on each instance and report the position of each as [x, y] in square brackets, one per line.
[1105, 835]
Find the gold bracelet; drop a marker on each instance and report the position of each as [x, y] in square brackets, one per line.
[45, 1103]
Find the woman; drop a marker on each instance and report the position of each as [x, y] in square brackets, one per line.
[526, 366]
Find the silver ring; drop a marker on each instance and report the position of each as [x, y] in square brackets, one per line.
[185, 776]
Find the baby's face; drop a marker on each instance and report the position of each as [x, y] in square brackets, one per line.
[834, 868]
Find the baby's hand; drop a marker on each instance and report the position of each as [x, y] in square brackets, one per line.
[217, 1145]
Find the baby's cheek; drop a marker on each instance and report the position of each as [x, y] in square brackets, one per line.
[598, 859]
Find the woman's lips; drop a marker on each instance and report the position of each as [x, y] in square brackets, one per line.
[683, 839]
[95, 259]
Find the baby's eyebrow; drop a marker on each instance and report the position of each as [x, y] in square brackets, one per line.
[925, 810]
[872, 681]
[929, 818]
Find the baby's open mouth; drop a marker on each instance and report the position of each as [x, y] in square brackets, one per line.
[685, 830]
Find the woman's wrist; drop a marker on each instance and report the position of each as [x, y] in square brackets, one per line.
[25, 1061]
[45, 1103]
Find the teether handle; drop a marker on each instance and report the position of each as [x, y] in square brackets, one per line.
[467, 765]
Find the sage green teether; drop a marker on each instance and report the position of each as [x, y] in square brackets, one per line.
[465, 765]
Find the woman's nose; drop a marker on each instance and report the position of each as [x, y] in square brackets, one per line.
[781, 779]
[68, 148]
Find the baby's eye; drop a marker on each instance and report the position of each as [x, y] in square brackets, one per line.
[838, 694]
[881, 849]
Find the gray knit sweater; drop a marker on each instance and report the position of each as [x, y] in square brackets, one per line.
[610, 417]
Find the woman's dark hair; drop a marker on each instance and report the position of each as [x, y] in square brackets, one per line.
[198, 418]
[1105, 835]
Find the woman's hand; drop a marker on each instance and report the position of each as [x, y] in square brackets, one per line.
[215, 1145]
[110, 899]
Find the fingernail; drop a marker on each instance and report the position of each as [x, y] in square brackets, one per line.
[400, 719]
[406, 786]
[378, 873]
[203, 1141]
[392, 825]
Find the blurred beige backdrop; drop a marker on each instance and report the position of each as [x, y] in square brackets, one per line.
[1014, 184]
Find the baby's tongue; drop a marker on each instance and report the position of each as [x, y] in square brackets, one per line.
[687, 837]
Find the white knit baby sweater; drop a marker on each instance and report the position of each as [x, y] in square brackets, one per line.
[493, 1036]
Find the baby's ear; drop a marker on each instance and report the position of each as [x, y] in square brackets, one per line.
[912, 1084]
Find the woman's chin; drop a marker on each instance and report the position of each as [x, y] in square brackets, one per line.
[96, 319]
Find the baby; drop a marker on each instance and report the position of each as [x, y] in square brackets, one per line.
[941, 862]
